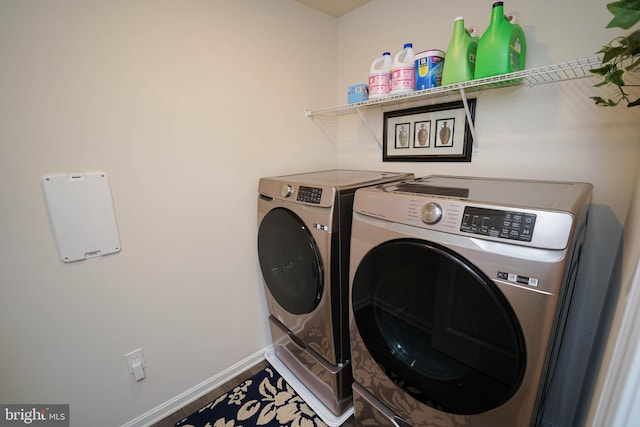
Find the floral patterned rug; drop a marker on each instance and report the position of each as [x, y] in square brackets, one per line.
[263, 400]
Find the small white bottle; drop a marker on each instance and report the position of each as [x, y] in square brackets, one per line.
[403, 71]
[380, 77]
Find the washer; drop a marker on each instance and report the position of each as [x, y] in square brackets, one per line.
[460, 289]
[303, 249]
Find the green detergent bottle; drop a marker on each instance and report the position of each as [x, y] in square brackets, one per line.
[502, 48]
[461, 55]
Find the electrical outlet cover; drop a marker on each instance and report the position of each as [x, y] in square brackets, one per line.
[133, 357]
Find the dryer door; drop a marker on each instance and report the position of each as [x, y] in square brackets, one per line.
[438, 327]
[290, 261]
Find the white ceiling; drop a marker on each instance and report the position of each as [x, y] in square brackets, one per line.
[335, 8]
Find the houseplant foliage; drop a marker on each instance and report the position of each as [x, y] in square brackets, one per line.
[619, 52]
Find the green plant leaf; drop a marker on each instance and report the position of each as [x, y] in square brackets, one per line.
[633, 42]
[602, 71]
[633, 65]
[612, 52]
[615, 77]
[604, 103]
[626, 13]
[634, 103]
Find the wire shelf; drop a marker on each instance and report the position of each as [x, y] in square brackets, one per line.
[548, 74]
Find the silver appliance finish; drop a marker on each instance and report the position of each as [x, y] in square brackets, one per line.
[313, 343]
[533, 263]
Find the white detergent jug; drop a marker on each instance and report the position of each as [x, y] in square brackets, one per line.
[403, 71]
[380, 77]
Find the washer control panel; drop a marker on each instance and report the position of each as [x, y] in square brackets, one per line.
[498, 223]
[541, 228]
[309, 195]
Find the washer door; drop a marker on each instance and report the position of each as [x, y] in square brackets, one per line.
[438, 327]
[290, 261]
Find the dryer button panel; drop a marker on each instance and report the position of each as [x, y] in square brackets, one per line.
[496, 223]
[309, 195]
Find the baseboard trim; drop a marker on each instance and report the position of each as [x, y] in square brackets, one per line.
[183, 399]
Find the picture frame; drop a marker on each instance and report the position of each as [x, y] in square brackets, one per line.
[432, 133]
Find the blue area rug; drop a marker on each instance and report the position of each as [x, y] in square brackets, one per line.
[263, 400]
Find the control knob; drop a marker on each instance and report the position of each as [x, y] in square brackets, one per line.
[286, 190]
[431, 213]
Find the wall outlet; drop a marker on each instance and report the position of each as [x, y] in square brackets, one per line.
[133, 358]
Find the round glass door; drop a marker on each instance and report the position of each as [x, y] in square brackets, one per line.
[290, 261]
[438, 327]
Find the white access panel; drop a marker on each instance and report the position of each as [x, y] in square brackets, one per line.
[81, 214]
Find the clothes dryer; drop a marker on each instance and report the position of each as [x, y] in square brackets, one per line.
[303, 249]
[460, 289]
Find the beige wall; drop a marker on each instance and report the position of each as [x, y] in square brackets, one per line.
[185, 105]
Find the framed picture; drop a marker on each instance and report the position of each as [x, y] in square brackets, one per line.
[433, 133]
